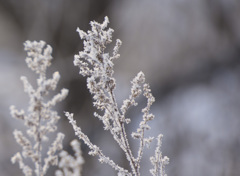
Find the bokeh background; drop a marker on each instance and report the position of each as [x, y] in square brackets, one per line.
[189, 51]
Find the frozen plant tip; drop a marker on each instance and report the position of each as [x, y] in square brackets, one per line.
[97, 65]
[158, 161]
[40, 119]
[71, 165]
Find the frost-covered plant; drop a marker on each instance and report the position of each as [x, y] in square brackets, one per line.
[97, 65]
[40, 119]
[69, 165]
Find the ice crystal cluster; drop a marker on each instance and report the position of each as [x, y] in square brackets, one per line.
[97, 65]
[39, 119]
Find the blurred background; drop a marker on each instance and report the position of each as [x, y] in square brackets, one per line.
[189, 51]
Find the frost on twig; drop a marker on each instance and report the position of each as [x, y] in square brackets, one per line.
[40, 119]
[97, 66]
[158, 161]
[71, 165]
[94, 150]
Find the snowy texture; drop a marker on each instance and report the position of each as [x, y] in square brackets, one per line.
[97, 65]
[158, 161]
[40, 119]
[95, 151]
[69, 165]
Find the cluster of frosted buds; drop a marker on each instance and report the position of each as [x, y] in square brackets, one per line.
[158, 161]
[71, 165]
[40, 119]
[97, 65]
